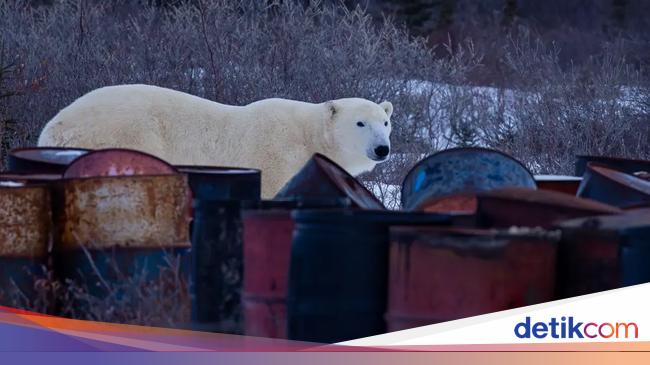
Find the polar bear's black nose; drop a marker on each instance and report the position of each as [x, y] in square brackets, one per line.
[382, 151]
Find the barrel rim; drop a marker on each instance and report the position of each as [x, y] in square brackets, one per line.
[16, 153]
[108, 150]
[217, 170]
[616, 177]
[381, 216]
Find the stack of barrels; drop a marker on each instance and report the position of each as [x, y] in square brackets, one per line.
[324, 261]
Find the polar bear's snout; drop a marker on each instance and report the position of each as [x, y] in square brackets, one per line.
[381, 152]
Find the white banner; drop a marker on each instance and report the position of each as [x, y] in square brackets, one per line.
[615, 315]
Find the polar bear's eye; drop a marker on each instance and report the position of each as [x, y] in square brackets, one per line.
[386, 124]
[360, 124]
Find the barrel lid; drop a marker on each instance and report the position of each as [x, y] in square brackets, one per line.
[26, 177]
[547, 198]
[628, 181]
[322, 177]
[460, 170]
[298, 203]
[216, 170]
[117, 162]
[557, 178]
[623, 164]
[468, 238]
[629, 222]
[52, 155]
[11, 184]
[349, 216]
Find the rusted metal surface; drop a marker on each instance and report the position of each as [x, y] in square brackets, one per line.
[626, 165]
[534, 208]
[461, 171]
[454, 203]
[591, 258]
[338, 272]
[122, 211]
[323, 178]
[24, 238]
[42, 160]
[24, 220]
[613, 187]
[117, 162]
[442, 274]
[559, 183]
[223, 183]
[268, 231]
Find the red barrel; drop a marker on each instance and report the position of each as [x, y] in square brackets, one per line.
[443, 274]
[268, 233]
[559, 183]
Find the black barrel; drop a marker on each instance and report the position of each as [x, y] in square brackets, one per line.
[223, 183]
[42, 160]
[217, 266]
[338, 272]
[627, 165]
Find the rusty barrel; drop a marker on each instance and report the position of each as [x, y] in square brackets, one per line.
[449, 180]
[603, 253]
[443, 274]
[560, 183]
[627, 165]
[613, 187]
[42, 160]
[117, 162]
[114, 228]
[507, 207]
[24, 240]
[321, 177]
[223, 183]
[268, 232]
[338, 272]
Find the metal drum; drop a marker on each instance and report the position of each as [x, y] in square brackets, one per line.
[613, 187]
[117, 162]
[338, 272]
[448, 180]
[268, 232]
[443, 274]
[603, 253]
[24, 240]
[223, 183]
[109, 229]
[42, 160]
[323, 178]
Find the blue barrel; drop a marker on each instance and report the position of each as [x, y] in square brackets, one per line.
[338, 272]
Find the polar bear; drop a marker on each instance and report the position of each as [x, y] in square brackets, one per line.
[276, 136]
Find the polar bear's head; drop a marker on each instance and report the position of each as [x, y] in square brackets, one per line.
[360, 131]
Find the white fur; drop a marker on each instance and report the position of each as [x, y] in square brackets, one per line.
[274, 135]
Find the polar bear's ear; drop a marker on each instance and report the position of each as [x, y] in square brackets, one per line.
[388, 107]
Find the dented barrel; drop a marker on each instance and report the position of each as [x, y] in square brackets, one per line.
[507, 207]
[338, 272]
[268, 232]
[613, 187]
[443, 274]
[42, 160]
[24, 240]
[321, 177]
[603, 253]
[448, 180]
[112, 228]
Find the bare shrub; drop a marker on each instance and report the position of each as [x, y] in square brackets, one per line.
[541, 108]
